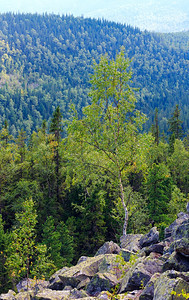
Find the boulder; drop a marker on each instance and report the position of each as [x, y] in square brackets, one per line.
[181, 231]
[101, 282]
[75, 294]
[176, 261]
[8, 296]
[83, 283]
[156, 248]
[31, 284]
[109, 248]
[54, 282]
[139, 275]
[29, 295]
[187, 207]
[134, 295]
[152, 237]
[105, 295]
[48, 294]
[180, 246]
[126, 254]
[168, 283]
[131, 242]
[148, 291]
[82, 258]
[20, 296]
[181, 219]
[83, 271]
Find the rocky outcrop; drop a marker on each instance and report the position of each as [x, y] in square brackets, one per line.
[101, 282]
[131, 242]
[109, 248]
[82, 272]
[140, 274]
[170, 282]
[142, 269]
[150, 238]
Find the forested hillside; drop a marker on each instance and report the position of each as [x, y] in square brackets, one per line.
[64, 195]
[46, 61]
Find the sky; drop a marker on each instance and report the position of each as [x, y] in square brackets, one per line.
[154, 15]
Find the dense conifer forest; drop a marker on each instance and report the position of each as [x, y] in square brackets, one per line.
[96, 168]
[46, 60]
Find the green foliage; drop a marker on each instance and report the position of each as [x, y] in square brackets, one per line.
[138, 212]
[175, 123]
[22, 248]
[107, 138]
[59, 242]
[177, 203]
[22, 242]
[105, 163]
[46, 61]
[3, 240]
[56, 124]
[159, 185]
[179, 163]
[183, 294]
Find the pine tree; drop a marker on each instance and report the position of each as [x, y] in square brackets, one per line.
[156, 127]
[175, 123]
[51, 238]
[56, 129]
[159, 185]
[56, 124]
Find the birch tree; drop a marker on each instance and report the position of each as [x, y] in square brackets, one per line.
[107, 139]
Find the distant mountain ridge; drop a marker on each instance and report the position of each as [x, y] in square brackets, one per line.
[151, 15]
[159, 16]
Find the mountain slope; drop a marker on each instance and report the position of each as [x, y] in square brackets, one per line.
[161, 16]
[46, 61]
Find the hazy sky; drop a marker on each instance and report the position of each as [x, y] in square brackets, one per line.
[40, 6]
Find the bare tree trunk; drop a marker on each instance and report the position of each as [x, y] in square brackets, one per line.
[124, 206]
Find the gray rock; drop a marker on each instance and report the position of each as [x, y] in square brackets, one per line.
[181, 219]
[48, 294]
[87, 269]
[157, 248]
[180, 246]
[109, 248]
[176, 261]
[82, 258]
[29, 295]
[101, 282]
[75, 294]
[139, 275]
[187, 207]
[152, 237]
[170, 281]
[31, 284]
[148, 292]
[83, 283]
[131, 242]
[9, 296]
[54, 282]
[182, 231]
[126, 254]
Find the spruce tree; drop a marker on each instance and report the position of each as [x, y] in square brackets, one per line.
[155, 130]
[175, 124]
[56, 129]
